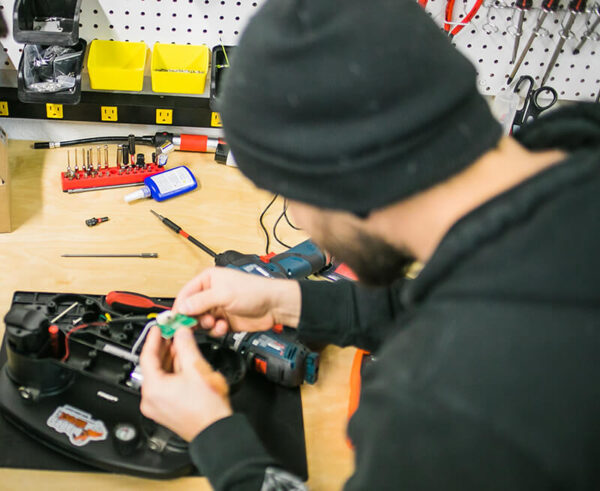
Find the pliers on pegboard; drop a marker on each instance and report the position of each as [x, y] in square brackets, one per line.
[453, 28]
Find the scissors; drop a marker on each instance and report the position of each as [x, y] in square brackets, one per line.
[532, 107]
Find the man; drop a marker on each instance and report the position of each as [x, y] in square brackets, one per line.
[488, 362]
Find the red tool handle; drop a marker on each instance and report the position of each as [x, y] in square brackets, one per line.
[454, 29]
[134, 303]
[194, 143]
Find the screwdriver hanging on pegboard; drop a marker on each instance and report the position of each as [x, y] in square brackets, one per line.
[588, 33]
[522, 6]
[548, 6]
[575, 7]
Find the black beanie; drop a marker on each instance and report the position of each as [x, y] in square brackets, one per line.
[351, 104]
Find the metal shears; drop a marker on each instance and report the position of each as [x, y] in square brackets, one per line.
[532, 106]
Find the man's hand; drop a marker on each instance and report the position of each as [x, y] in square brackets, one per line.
[187, 399]
[224, 299]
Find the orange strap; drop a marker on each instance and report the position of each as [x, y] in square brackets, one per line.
[355, 384]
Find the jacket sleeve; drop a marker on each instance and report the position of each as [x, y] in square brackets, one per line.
[232, 457]
[348, 314]
[405, 441]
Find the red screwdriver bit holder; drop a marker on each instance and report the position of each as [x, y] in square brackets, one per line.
[108, 177]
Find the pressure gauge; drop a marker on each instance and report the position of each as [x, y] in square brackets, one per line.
[126, 438]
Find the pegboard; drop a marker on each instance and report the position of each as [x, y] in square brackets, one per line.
[486, 41]
[209, 22]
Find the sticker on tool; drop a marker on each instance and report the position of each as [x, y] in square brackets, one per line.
[78, 425]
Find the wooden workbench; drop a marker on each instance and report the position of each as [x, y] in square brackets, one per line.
[223, 212]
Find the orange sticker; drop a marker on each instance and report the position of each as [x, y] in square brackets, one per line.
[78, 425]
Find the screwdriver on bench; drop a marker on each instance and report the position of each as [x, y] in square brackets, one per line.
[300, 261]
[178, 230]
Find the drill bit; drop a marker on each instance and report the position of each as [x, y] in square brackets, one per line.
[521, 6]
[547, 7]
[141, 254]
[588, 33]
[119, 158]
[106, 156]
[69, 171]
[575, 7]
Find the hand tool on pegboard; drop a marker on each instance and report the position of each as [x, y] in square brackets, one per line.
[521, 6]
[452, 27]
[576, 7]
[548, 6]
[532, 106]
[588, 34]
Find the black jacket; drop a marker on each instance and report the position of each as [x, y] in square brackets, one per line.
[488, 364]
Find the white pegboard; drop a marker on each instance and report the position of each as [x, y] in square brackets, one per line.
[209, 22]
[487, 41]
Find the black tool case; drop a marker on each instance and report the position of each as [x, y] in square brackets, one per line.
[86, 405]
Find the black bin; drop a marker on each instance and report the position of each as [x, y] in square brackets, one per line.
[46, 22]
[218, 66]
[69, 96]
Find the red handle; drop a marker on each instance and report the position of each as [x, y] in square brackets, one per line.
[133, 302]
[194, 143]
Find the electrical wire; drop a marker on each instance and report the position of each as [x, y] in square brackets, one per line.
[142, 140]
[275, 229]
[142, 336]
[262, 225]
[285, 215]
[77, 328]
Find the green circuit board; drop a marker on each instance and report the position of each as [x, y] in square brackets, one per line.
[169, 322]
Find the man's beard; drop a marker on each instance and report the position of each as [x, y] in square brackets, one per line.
[375, 262]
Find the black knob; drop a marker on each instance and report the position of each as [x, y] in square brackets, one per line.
[27, 328]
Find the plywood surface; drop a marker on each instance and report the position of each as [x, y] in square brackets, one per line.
[223, 213]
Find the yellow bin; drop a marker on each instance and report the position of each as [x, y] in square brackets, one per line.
[179, 68]
[116, 65]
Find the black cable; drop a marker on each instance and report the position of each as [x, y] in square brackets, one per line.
[285, 215]
[262, 225]
[142, 140]
[275, 229]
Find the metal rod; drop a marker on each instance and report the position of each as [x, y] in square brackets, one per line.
[141, 254]
[120, 353]
[66, 311]
[99, 188]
